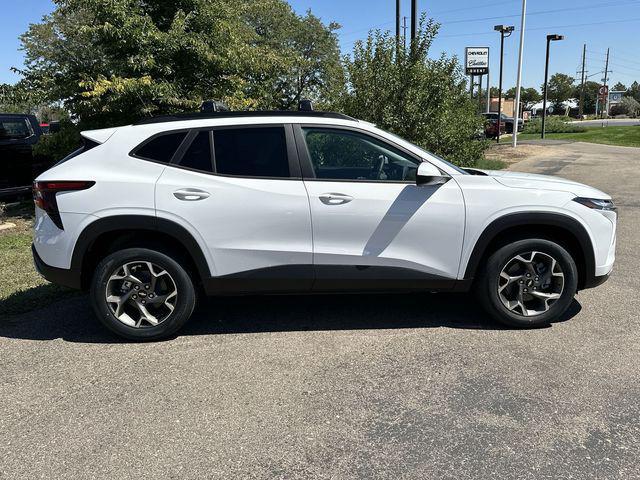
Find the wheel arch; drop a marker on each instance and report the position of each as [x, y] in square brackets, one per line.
[108, 234]
[565, 230]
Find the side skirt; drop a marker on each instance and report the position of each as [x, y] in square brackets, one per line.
[309, 279]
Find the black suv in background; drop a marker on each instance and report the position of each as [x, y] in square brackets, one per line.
[18, 134]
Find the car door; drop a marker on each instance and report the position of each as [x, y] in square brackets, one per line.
[240, 191]
[373, 226]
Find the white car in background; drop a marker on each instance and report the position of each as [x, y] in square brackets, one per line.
[147, 216]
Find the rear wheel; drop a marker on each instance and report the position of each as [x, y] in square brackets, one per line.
[528, 283]
[142, 294]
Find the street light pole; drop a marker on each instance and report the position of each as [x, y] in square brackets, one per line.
[397, 28]
[503, 30]
[550, 38]
[516, 110]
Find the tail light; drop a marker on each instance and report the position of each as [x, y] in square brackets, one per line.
[44, 196]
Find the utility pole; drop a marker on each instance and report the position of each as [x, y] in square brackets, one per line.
[516, 110]
[605, 107]
[414, 20]
[404, 31]
[581, 106]
[397, 27]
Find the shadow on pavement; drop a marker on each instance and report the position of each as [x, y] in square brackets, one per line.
[73, 320]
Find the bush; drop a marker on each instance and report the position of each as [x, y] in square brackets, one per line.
[628, 106]
[553, 125]
[58, 145]
[421, 99]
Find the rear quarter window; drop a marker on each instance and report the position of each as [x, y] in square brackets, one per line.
[160, 148]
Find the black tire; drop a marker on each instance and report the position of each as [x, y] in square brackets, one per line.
[486, 287]
[184, 303]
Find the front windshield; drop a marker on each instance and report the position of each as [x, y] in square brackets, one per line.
[430, 154]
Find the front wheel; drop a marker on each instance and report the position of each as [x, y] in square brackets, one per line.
[528, 283]
[142, 294]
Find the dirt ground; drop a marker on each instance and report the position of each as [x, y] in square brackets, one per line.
[509, 155]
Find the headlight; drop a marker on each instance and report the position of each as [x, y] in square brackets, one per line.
[596, 204]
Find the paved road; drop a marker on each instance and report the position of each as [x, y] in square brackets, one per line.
[340, 387]
[614, 122]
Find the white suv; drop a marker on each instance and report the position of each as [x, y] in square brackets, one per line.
[147, 216]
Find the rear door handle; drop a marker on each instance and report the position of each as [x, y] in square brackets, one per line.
[335, 198]
[191, 194]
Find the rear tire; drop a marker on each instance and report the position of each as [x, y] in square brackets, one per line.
[142, 294]
[528, 283]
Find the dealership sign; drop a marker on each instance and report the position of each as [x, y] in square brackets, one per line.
[476, 60]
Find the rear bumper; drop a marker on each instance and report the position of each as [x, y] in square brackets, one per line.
[60, 276]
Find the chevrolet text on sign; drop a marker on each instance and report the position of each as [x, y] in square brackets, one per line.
[476, 60]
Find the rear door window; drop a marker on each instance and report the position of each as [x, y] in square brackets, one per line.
[251, 152]
[198, 154]
[161, 148]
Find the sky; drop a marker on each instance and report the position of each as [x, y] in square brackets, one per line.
[601, 24]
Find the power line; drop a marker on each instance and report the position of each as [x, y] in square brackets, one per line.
[488, 4]
[542, 12]
[549, 27]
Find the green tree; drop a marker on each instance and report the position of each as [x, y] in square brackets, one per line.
[619, 87]
[590, 95]
[113, 61]
[560, 89]
[634, 91]
[18, 99]
[422, 99]
[628, 106]
[528, 96]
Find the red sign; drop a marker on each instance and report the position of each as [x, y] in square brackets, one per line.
[603, 91]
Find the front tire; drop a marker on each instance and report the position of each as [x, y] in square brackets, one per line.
[528, 283]
[142, 294]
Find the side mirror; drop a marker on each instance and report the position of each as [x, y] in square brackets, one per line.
[429, 174]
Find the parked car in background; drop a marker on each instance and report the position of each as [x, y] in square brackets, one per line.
[491, 127]
[51, 127]
[18, 134]
[507, 121]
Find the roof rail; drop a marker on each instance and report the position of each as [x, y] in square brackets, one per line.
[176, 117]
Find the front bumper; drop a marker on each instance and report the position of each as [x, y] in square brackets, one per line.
[60, 276]
[595, 281]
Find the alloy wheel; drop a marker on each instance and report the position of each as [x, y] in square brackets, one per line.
[530, 283]
[141, 294]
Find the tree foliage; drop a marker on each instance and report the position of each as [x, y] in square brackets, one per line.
[628, 106]
[111, 62]
[421, 99]
[590, 95]
[559, 89]
[528, 96]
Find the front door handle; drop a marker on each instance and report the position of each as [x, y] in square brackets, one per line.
[191, 194]
[335, 198]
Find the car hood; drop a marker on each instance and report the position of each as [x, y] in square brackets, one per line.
[545, 182]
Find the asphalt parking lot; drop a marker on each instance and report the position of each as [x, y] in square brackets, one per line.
[385, 386]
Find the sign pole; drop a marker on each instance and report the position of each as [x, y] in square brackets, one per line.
[488, 93]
